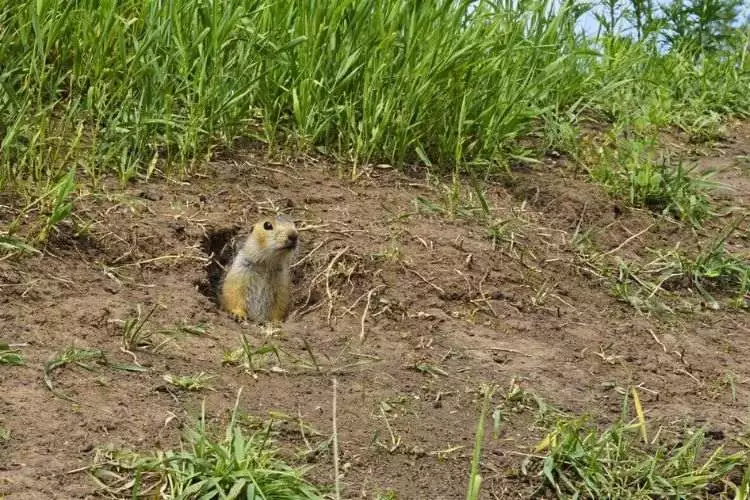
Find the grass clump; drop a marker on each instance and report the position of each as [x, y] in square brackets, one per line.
[233, 466]
[630, 170]
[82, 358]
[720, 269]
[710, 271]
[475, 478]
[584, 462]
[134, 335]
[128, 88]
[189, 382]
[10, 356]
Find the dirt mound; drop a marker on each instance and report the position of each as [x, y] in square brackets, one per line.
[411, 303]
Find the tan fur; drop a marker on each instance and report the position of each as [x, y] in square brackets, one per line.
[256, 286]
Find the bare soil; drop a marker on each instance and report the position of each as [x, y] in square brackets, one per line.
[442, 308]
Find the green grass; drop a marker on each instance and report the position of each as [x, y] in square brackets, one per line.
[189, 382]
[135, 89]
[131, 88]
[4, 435]
[207, 465]
[475, 478]
[711, 272]
[577, 459]
[10, 356]
[134, 335]
[630, 169]
[584, 462]
[82, 358]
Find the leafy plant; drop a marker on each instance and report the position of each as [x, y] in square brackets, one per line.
[584, 462]
[189, 382]
[10, 356]
[207, 466]
[667, 187]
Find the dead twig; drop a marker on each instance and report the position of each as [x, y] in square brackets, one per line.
[301, 311]
[163, 257]
[275, 170]
[505, 349]
[484, 297]
[364, 314]
[697, 381]
[433, 285]
[311, 252]
[656, 339]
[631, 238]
[328, 283]
[310, 352]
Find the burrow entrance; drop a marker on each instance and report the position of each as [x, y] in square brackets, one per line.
[219, 246]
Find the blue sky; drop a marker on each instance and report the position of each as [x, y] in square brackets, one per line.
[590, 25]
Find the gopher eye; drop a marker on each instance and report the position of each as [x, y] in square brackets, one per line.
[267, 226]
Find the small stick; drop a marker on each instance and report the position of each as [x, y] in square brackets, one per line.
[618, 247]
[343, 231]
[308, 228]
[80, 469]
[301, 312]
[364, 314]
[328, 283]
[433, 285]
[312, 356]
[394, 440]
[162, 257]
[580, 221]
[309, 254]
[657, 340]
[336, 444]
[484, 297]
[348, 310]
[135, 359]
[275, 170]
[302, 431]
[697, 381]
[504, 349]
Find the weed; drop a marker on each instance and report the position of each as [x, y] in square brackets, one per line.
[393, 254]
[719, 268]
[431, 369]
[475, 479]
[81, 358]
[712, 269]
[133, 333]
[11, 245]
[10, 356]
[60, 207]
[190, 382]
[586, 463]
[387, 495]
[518, 399]
[55, 205]
[663, 186]
[4, 435]
[235, 466]
[197, 330]
[72, 355]
[508, 230]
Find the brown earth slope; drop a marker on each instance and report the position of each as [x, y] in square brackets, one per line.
[412, 310]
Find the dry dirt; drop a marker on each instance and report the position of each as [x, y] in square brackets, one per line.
[449, 310]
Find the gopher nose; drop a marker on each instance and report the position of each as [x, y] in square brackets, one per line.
[292, 239]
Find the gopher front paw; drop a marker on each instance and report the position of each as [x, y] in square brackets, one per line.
[238, 315]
